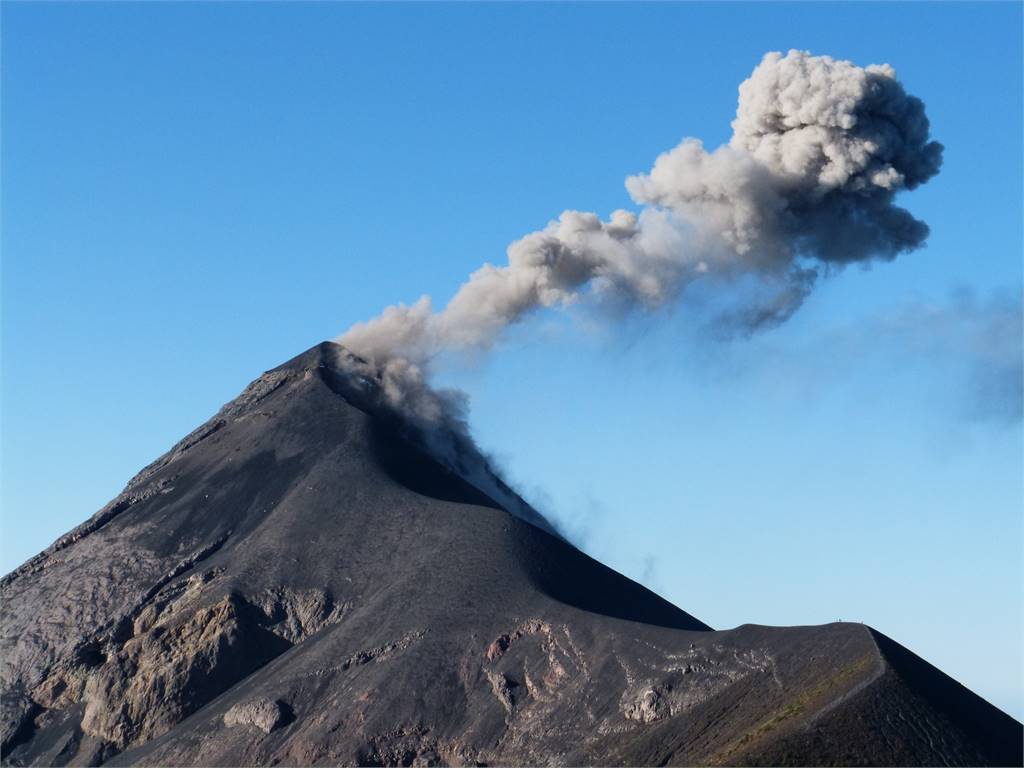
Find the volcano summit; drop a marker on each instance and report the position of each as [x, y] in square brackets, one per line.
[300, 581]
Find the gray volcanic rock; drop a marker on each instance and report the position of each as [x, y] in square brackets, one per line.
[261, 712]
[300, 582]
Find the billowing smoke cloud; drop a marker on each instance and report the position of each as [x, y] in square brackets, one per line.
[820, 149]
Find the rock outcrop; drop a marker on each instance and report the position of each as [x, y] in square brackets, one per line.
[260, 712]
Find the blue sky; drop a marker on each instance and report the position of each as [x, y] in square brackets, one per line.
[194, 193]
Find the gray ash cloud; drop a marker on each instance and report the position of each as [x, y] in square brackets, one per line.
[820, 150]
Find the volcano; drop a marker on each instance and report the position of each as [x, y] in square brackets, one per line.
[300, 581]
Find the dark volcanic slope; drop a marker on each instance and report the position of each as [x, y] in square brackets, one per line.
[296, 582]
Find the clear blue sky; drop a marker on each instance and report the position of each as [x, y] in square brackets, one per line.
[194, 193]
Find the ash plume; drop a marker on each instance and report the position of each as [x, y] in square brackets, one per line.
[807, 184]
